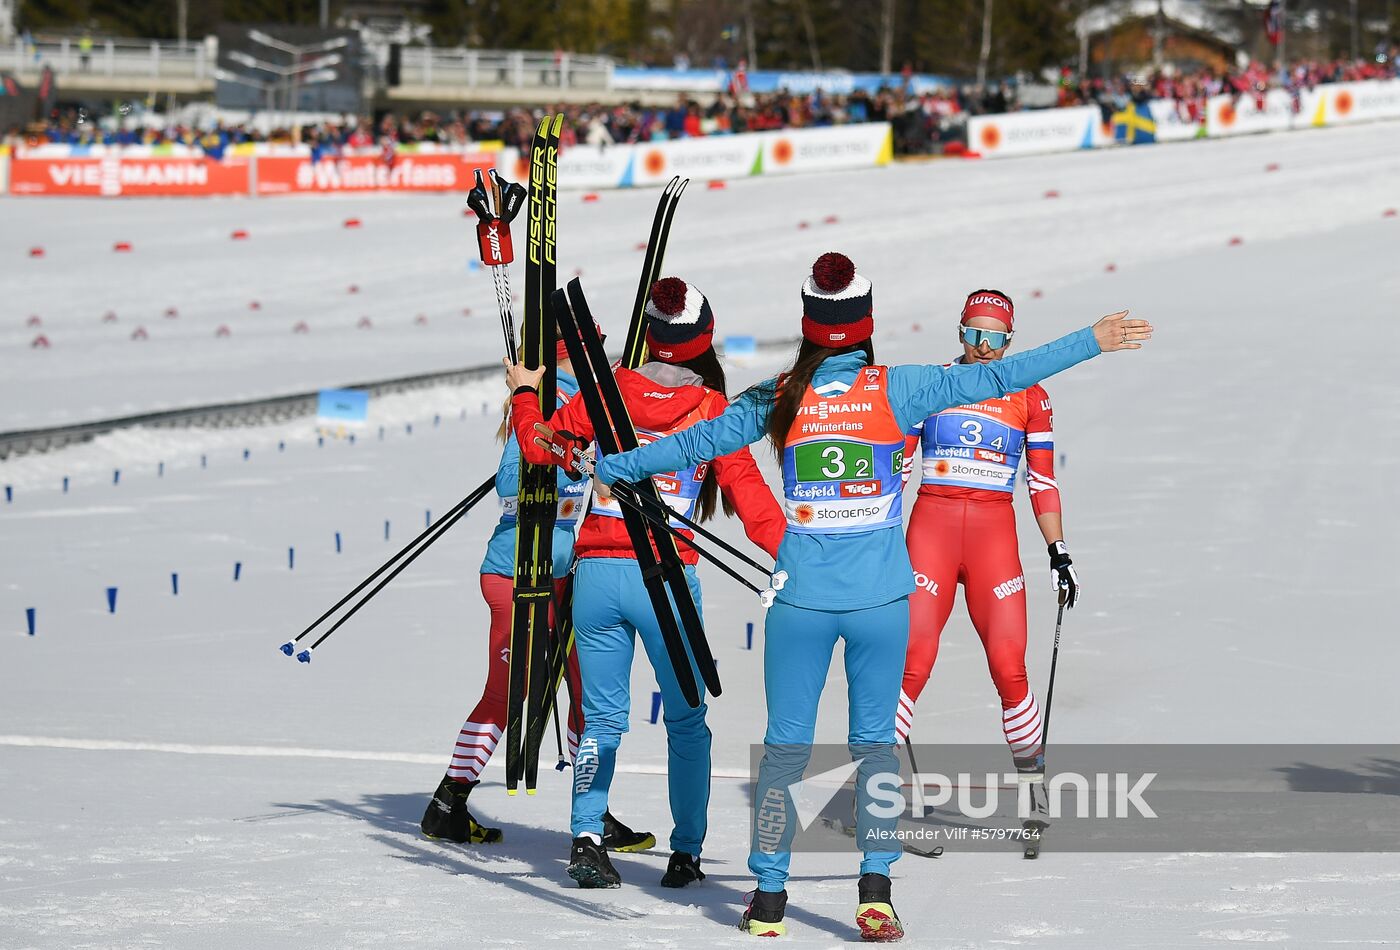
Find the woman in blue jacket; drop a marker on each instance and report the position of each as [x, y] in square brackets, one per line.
[837, 421]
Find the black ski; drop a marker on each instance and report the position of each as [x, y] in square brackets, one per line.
[538, 495]
[657, 556]
[634, 353]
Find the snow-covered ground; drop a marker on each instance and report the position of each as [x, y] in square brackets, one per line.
[167, 778]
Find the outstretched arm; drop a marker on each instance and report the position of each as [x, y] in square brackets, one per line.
[916, 392]
[745, 421]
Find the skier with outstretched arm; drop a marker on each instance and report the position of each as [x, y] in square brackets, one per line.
[680, 385]
[963, 529]
[447, 816]
[838, 421]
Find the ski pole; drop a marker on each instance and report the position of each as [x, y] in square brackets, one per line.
[584, 463]
[1050, 689]
[440, 526]
[496, 203]
[628, 496]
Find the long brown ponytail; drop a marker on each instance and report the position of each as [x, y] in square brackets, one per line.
[792, 386]
[711, 372]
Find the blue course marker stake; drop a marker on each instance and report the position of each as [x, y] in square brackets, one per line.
[160, 470]
[381, 433]
[386, 530]
[352, 438]
[65, 484]
[10, 493]
[337, 542]
[204, 461]
[436, 419]
[408, 427]
[304, 656]
[748, 638]
[320, 442]
[174, 584]
[116, 476]
[288, 648]
[111, 600]
[281, 446]
[655, 706]
[29, 619]
[237, 570]
[246, 453]
[427, 518]
[291, 558]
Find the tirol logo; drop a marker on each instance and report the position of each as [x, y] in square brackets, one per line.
[859, 489]
[986, 456]
[666, 486]
[805, 514]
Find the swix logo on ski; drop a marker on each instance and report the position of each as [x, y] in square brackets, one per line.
[859, 489]
[822, 410]
[814, 491]
[585, 766]
[1006, 588]
[923, 582]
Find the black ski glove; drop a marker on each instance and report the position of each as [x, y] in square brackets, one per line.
[1062, 574]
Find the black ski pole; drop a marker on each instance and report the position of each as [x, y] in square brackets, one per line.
[1050, 689]
[476, 495]
[628, 497]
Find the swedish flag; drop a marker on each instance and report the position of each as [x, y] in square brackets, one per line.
[1134, 125]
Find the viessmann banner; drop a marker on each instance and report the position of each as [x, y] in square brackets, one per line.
[111, 176]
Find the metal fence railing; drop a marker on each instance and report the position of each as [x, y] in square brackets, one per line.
[109, 57]
[471, 68]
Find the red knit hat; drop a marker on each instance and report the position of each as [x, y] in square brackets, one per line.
[837, 307]
[680, 324]
[989, 303]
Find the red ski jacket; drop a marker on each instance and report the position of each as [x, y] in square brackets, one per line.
[658, 397]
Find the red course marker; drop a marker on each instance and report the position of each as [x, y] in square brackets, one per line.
[1052, 193]
[122, 247]
[109, 317]
[1111, 268]
[803, 225]
[254, 305]
[223, 331]
[41, 342]
[171, 313]
[466, 311]
[1236, 241]
[352, 222]
[34, 321]
[717, 184]
[830, 219]
[916, 328]
[139, 334]
[239, 235]
[640, 246]
[421, 320]
[590, 197]
[36, 252]
[365, 324]
[353, 289]
[1036, 294]
[1271, 167]
[1389, 213]
[301, 327]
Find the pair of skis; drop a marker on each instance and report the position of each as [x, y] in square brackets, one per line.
[529, 682]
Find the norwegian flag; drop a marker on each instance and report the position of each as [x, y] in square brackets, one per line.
[1273, 22]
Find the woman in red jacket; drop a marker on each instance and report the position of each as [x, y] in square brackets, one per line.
[681, 384]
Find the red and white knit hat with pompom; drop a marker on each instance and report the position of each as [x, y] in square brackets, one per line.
[680, 324]
[837, 308]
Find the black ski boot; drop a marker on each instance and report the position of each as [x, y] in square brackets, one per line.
[764, 915]
[618, 837]
[589, 864]
[875, 916]
[682, 870]
[447, 817]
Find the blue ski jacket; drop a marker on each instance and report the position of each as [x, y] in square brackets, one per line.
[500, 550]
[851, 571]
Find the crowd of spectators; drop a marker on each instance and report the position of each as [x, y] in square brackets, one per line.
[924, 121]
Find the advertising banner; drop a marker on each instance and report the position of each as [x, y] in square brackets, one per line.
[828, 149]
[1346, 102]
[111, 177]
[281, 175]
[1243, 115]
[4, 169]
[1027, 133]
